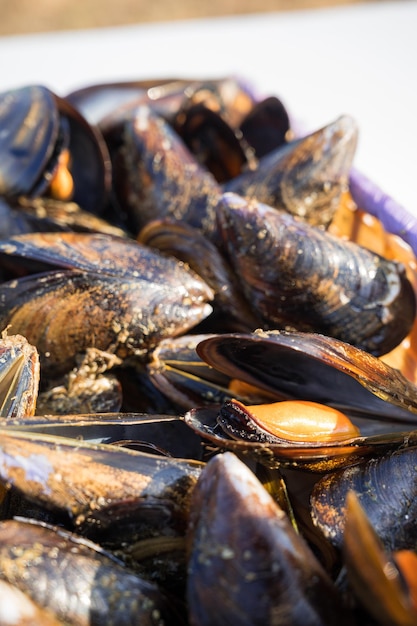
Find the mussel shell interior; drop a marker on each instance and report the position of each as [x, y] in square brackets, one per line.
[316, 457]
[309, 366]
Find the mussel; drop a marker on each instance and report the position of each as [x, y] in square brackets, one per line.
[384, 487]
[76, 580]
[300, 277]
[305, 177]
[247, 564]
[110, 293]
[114, 493]
[48, 148]
[379, 401]
[155, 175]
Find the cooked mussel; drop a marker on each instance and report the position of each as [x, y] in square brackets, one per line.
[48, 148]
[311, 455]
[377, 402]
[312, 366]
[290, 421]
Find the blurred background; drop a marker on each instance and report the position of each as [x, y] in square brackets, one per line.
[32, 16]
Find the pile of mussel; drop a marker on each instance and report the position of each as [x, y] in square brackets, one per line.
[208, 376]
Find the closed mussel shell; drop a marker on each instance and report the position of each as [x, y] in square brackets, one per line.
[122, 297]
[76, 580]
[155, 176]
[385, 489]
[247, 565]
[304, 177]
[99, 486]
[301, 277]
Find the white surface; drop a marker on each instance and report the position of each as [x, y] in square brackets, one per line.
[358, 59]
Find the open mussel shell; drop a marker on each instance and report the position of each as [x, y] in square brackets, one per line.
[312, 456]
[30, 127]
[37, 127]
[312, 366]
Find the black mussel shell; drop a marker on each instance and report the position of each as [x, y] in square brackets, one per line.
[267, 126]
[385, 488]
[30, 125]
[247, 564]
[312, 366]
[76, 580]
[297, 276]
[306, 176]
[216, 145]
[37, 126]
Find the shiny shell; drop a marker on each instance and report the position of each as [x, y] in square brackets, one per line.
[156, 176]
[122, 297]
[247, 560]
[29, 123]
[300, 277]
[311, 366]
[45, 139]
[304, 177]
[74, 578]
[19, 377]
[385, 488]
